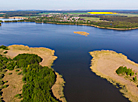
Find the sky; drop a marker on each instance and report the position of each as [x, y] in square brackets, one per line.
[68, 4]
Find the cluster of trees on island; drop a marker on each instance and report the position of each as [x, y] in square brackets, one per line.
[126, 71]
[37, 79]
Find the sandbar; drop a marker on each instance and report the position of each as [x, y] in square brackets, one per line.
[48, 58]
[81, 33]
[105, 63]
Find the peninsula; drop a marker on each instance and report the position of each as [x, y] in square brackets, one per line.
[14, 80]
[105, 64]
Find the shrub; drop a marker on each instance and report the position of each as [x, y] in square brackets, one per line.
[18, 96]
[135, 78]
[120, 70]
[17, 70]
[5, 86]
[5, 81]
[1, 82]
[1, 76]
[3, 47]
[19, 73]
[9, 73]
[5, 52]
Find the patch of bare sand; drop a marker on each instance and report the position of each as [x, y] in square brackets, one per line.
[15, 86]
[105, 63]
[48, 57]
[57, 88]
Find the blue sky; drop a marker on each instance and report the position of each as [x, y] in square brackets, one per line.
[68, 4]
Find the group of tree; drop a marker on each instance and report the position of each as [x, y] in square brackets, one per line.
[126, 71]
[37, 79]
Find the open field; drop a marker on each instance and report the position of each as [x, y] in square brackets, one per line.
[91, 18]
[128, 15]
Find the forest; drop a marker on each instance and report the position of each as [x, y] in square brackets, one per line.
[37, 79]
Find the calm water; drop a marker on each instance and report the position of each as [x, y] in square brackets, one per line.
[73, 61]
[9, 19]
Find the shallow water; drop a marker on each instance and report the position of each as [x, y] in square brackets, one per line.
[72, 50]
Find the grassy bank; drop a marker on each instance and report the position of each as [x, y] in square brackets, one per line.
[105, 63]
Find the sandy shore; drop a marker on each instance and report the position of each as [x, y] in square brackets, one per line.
[48, 58]
[105, 63]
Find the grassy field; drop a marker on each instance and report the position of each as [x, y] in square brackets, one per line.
[42, 13]
[127, 14]
[78, 13]
[91, 18]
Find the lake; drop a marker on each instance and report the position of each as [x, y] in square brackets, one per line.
[8, 19]
[72, 50]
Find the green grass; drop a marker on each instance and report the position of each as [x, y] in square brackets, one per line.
[127, 14]
[79, 13]
[42, 13]
[91, 18]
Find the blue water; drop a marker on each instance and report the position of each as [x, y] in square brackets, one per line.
[8, 19]
[72, 50]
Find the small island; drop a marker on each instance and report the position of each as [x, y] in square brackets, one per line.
[81, 33]
[118, 70]
[24, 69]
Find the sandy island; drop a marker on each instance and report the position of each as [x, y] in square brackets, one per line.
[81, 33]
[105, 63]
[15, 81]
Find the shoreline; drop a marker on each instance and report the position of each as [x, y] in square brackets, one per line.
[105, 63]
[109, 28]
[48, 58]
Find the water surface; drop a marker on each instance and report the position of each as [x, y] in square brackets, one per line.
[72, 50]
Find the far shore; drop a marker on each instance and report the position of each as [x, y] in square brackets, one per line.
[110, 28]
[105, 63]
[14, 17]
[48, 58]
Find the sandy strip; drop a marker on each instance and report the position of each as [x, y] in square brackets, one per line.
[81, 33]
[57, 88]
[105, 63]
[48, 58]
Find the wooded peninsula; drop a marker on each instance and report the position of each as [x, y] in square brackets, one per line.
[26, 75]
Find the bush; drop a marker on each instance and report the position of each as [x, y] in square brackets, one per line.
[1, 82]
[5, 81]
[124, 70]
[135, 78]
[1, 76]
[5, 86]
[5, 52]
[3, 47]
[17, 70]
[19, 73]
[18, 96]
[120, 70]
[9, 73]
